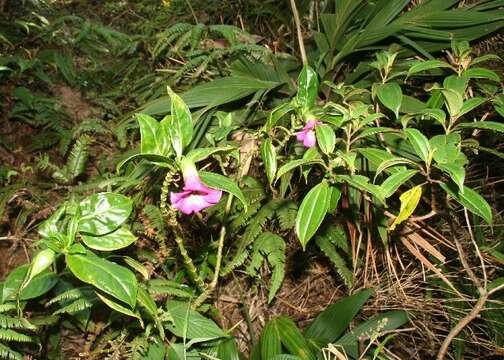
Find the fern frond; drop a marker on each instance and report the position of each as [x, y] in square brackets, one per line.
[236, 262]
[167, 287]
[71, 294]
[77, 159]
[329, 249]
[74, 307]
[271, 247]
[15, 323]
[11, 335]
[9, 354]
[7, 307]
[286, 215]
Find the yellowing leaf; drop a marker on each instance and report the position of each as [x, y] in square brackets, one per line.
[409, 202]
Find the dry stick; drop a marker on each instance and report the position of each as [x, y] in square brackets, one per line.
[302, 50]
[482, 289]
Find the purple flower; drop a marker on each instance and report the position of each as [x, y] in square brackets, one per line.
[307, 136]
[196, 196]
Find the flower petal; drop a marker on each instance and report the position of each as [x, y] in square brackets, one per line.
[300, 136]
[213, 196]
[310, 140]
[177, 197]
[192, 203]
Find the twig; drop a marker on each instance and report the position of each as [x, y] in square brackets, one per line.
[302, 50]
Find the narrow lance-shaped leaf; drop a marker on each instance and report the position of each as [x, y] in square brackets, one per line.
[409, 202]
[181, 127]
[307, 88]
[419, 142]
[470, 199]
[312, 212]
[326, 139]
[219, 182]
[268, 154]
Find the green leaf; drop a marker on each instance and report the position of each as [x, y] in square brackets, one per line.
[41, 261]
[481, 73]
[456, 172]
[312, 212]
[295, 163]
[390, 95]
[437, 114]
[154, 140]
[292, 339]
[180, 127]
[307, 88]
[471, 104]
[409, 202]
[335, 319]
[220, 182]
[326, 139]
[362, 183]
[120, 238]
[189, 324]
[394, 181]
[201, 154]
[137, 266]
[453, 100]
[268, 154]
[271, 344]
[483, 125]
[373, 327]
[427, 65]
[107, 276]
[471, 200]
[38, 285]
[419, 142]
[329, 250]
[276, 114]
[103, 213]
[446, 149]
[119, 308]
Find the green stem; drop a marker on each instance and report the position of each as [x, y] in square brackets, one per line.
[211, 287]
[188, 261]
[164, 193]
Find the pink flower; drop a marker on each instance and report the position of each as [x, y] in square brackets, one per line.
[307, 136]
[196, 196]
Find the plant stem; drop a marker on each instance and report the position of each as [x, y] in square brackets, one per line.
[302, 50]
[188, 261]
[164, 194]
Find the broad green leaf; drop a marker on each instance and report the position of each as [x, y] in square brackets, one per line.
[276, 114]
[471, 104]
[220, 182]
[311, 213]
[41, 261]
[38, 285]
[375, 156]
[326, 139]
[394, 181]
[292, 339]
[335, 319]
[120, 238]
[119, 308]
[137, 266]
[470, 199]
[453, 100]
[373, 131]
[456, 83]
[307, 88]
[103, 213]
[483, 125]
[409, 202]
[390, 95]
[270, 341]
[107, 276]
[481, 73]
[456, 172]
[268, 154]
[362, 183]
[379, 324]
[154, 139]
[437, 114]
[427, 65]
[180, 127]
[446, 149]
[334, 199]
[201, 154]
[228, 349]
[189, 324]
[487, 57]
[294, 164]
[419, 142]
